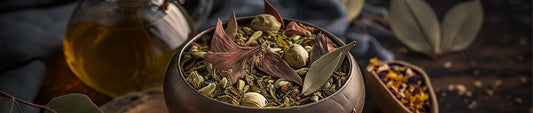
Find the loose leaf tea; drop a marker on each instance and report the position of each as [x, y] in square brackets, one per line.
[263, 64]
[416, 25]
[405, 84]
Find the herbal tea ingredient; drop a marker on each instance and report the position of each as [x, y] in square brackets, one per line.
[259, 67]
[405, 84]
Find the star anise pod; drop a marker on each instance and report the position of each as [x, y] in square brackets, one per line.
[234, 59]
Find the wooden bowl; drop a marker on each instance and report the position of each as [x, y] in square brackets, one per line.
[180, 97]
[385, 99]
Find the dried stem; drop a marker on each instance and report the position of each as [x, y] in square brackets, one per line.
[28, 103]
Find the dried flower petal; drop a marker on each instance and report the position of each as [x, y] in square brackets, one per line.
[272, 64]
[294, 29]
[221, 41]
[235, 60]
[231, 28]
[228, 56]
[322, 46]
[269, 9]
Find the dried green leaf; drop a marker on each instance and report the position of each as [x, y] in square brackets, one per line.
[320, 70]
[461, 25]
[415, 24]
[231, 28]
[269, 9]
[73, 103]
[254, 37]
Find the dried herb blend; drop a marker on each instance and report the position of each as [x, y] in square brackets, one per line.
[265, 63]
[406, 84]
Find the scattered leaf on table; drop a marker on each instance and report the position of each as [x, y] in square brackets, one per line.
[269, 9]
[320, 70]
[73, 103]
[353, 7]
[461, 25]
[231, 27]
[415, 24]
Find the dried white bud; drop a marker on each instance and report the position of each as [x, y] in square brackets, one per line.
[253, 99]
[280, 83]
[296, 56]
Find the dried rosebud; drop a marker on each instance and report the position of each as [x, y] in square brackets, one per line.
[294, 29]
[296, 56]
[265, 23]
[253, 99]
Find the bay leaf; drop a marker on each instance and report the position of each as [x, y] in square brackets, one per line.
[461, 25]
[416, 25]
[320, 70]
[73, 103]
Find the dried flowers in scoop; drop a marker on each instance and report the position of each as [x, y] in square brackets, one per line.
[405, 84]
[263, 63]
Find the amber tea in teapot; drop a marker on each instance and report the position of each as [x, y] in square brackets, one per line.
[122, 46]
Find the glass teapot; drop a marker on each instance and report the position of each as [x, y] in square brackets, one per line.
[121, 46]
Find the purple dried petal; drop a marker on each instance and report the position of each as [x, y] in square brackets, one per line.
[426, 107]
[382, 75]
[414, 79]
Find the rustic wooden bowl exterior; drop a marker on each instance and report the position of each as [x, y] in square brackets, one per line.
[180, 97]
[385, 99]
